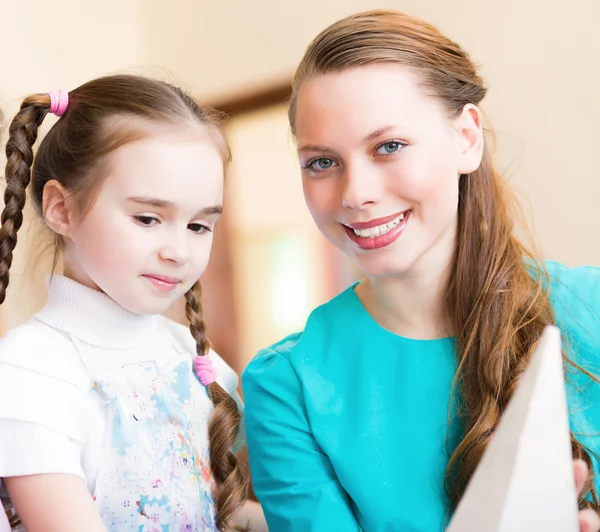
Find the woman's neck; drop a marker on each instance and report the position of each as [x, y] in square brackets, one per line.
[412, 305]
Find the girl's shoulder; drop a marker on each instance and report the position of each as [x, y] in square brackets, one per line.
[42, 380]
[36, 347]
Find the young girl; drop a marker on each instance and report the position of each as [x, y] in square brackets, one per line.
[112, 417]
[348, 422]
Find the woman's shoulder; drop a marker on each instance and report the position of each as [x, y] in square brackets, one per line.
[575, 296]
[575, 292]
[583, 280]
[273, 359]
[325, 322]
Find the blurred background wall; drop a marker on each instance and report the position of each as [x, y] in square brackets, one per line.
[270, 266]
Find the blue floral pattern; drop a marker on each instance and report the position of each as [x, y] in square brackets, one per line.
[155, 474]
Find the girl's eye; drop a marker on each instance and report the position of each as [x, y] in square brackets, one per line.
[146, 220]
[321, 164]
[198, 228]
[388, 148]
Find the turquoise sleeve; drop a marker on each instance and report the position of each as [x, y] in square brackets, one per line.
[292, 477]
[575, 294]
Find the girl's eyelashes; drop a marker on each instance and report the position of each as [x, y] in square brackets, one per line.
[146, 220]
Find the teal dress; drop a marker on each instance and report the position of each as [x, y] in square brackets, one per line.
[347, 423]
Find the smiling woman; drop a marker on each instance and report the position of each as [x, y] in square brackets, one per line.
[375, 416]
[381, 171]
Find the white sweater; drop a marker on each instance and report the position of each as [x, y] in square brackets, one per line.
[50, 421]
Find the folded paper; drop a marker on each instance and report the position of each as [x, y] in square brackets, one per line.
[524, 481]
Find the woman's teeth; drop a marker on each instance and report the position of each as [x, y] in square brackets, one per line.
[379, 230]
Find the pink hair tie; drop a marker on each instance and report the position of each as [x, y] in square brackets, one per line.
[59, 100]
[205, 370]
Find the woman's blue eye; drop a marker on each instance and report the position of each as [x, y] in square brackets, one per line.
[387, 148]
[320, 164]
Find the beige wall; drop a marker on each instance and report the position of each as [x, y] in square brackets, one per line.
[227, 47]
[540, 59]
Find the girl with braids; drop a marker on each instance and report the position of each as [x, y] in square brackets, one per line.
[376, 415]
[112, 417]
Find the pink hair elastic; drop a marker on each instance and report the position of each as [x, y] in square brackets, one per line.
[59, 101]
[205, 370]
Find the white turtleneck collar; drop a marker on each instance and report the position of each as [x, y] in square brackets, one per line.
[94, 317]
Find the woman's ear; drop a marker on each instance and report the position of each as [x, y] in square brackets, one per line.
[470, 140]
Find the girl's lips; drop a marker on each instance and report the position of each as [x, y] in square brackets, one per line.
[163, 282]
[163, 278]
